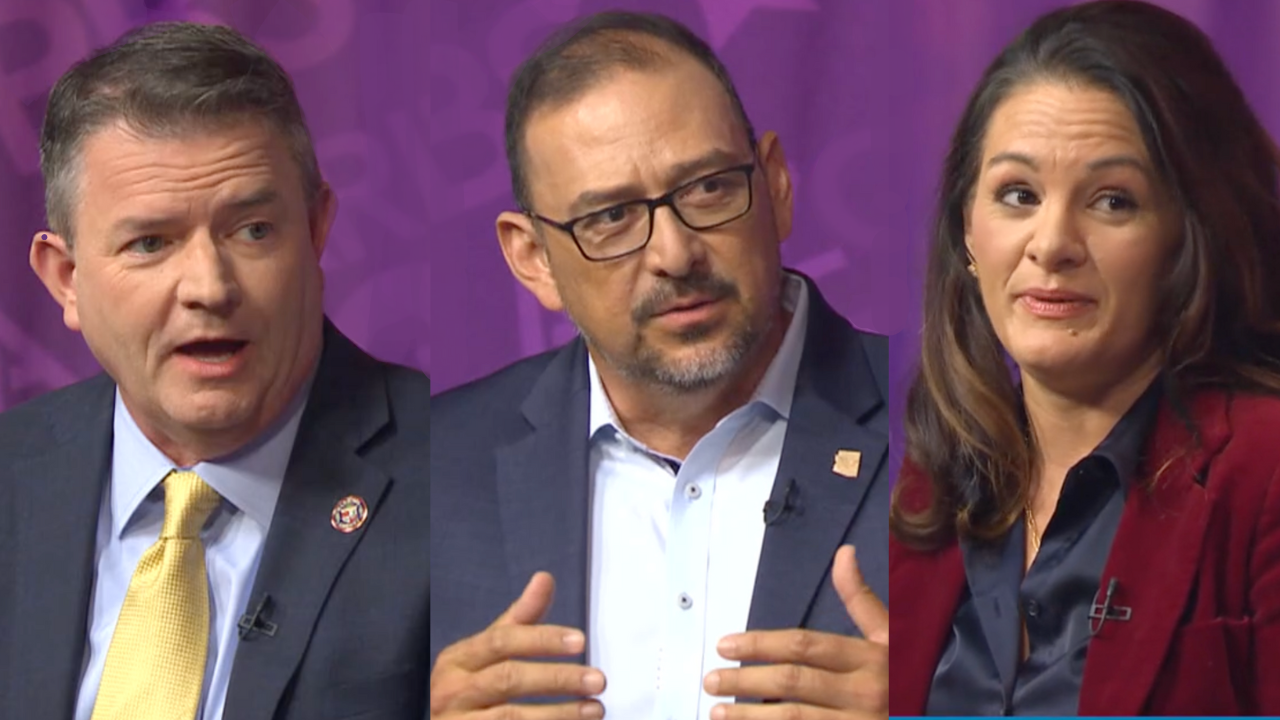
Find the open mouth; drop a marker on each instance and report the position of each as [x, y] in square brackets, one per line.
[212, 351]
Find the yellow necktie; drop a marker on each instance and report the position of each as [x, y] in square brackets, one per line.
[155, 666]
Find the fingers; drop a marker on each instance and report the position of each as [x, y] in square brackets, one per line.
[585, 710]
[826, 651]
[513, 633]
[820, 669]
[533, 603]
[778, 711]
[483, 673]
[456, 690]
[862, 691]
[504, 642]
[860, 601]
[510, 680]
[796, 683]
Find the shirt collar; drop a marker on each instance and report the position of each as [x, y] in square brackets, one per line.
[1124, 445]
[776, 389]
[249, 479]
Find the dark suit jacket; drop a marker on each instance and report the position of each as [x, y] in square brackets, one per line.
[1197, 558]
[510, 491]
[351, 609]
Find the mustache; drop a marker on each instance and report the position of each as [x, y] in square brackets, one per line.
[671, 291]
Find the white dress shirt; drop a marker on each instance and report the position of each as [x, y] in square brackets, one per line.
[129, 522]
[674, 546]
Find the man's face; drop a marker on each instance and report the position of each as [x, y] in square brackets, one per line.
[687, 311]
[196, 279]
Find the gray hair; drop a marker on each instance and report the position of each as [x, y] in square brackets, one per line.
[166, 79]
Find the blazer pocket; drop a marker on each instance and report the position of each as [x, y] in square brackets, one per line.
[1206, 671]
[386, 697]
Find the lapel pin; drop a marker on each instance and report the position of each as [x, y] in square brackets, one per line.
[349, 514]
[847, 463]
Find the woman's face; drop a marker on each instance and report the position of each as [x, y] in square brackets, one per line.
[1070, 231]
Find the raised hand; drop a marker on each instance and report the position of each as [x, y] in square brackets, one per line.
[482, 676]
[812, 675]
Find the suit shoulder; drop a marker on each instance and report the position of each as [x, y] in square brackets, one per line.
[409, 393]
[1255, 407]
[36, 422]
[407, 381]
[1253, 419]
[876, 345]
[498, 393]
[876, 349]
[876, 340]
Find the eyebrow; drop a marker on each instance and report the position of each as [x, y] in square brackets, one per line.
[252, 201]
[716, 159]
[1119, 161]
[1011, 157]
[138, 226]
[1094, 166]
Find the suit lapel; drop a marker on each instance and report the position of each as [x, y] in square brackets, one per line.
[304, 554]
[835, 390]
[543, 489]
[798, 549]
[1154, 560]
[59, 495]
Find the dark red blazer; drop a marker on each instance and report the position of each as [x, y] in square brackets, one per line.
[1197, 557]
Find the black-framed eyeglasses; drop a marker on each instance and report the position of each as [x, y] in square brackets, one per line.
[704, 203]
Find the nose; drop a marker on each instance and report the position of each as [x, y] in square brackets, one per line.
[674, 250]
[208, 279]
[1056, 243]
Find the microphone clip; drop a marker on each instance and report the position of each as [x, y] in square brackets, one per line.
[256, 622]
[1100, 614]
[775, 510]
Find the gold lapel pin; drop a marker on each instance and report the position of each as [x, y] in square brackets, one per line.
[349, 514]
[847, 463]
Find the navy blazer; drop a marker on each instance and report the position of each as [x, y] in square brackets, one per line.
[351, 609]
[510, 488]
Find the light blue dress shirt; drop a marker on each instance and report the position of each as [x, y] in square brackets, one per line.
[674, 552]
[129, 522]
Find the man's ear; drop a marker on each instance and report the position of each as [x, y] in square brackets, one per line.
[323, 212]
[526, 255]
[54, 263]
[773, 162]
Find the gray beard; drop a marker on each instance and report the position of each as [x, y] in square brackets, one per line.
[706, 369]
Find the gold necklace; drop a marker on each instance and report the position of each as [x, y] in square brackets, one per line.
[1032, 528]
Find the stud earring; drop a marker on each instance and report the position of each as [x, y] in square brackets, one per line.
[973, 269]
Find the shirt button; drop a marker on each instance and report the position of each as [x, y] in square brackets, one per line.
[1033, 608]
[693, 491]
[684, 601]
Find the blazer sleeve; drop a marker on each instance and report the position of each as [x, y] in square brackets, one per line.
[1264, 598]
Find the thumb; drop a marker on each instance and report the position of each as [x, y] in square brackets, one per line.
[533, 603]
[860, 601]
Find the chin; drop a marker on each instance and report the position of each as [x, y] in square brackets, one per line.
[1071, 372]
[215, 410]
[1055, 358]
[713, 361]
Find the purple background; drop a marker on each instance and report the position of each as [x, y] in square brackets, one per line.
[408, 121]
[359, 66]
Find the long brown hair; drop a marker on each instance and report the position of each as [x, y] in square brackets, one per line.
[967, 438]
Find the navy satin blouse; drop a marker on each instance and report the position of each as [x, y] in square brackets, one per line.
[980, 672]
